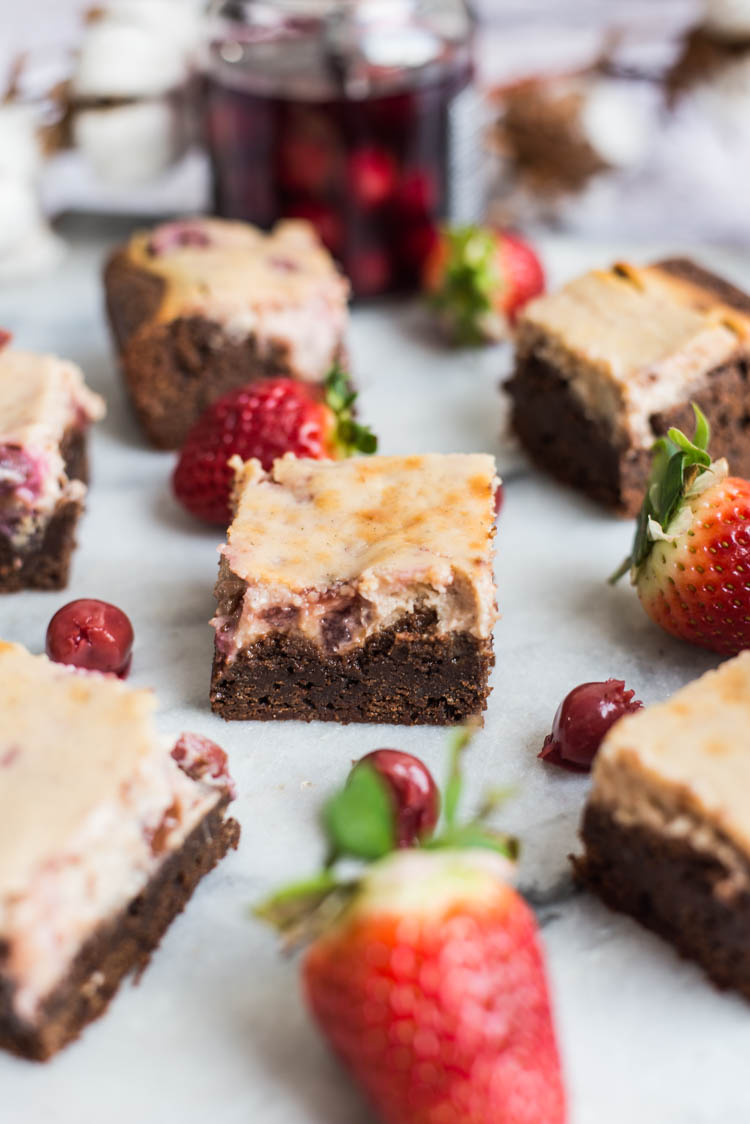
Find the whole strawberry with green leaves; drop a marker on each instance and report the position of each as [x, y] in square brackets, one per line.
[265, 419]
[690, 561]
[477, 280]
[425, 972]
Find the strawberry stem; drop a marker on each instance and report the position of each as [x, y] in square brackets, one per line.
[470, 281]
[350, 436]
[677, 462]
[360, 823]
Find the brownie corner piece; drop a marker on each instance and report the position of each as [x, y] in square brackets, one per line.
[364, 622]
[119, 947]
[615, 358]
[107, 828]
[202, 306]
[44, 466]
[665, 828]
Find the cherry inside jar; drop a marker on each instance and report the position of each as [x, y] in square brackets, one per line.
[357, 115]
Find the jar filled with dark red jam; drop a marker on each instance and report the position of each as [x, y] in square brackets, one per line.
[360, 116]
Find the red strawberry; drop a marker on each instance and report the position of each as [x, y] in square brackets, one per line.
[691, 555]
[478, 279]
[264, 419]
[426, 974]
[372, 176]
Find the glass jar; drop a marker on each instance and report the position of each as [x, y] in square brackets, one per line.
[358, 115]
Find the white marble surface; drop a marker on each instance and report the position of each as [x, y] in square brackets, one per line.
[215, 1030]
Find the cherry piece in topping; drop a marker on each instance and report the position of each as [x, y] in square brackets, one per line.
[583, 718]
[5, 338]
[20, 474]
[203, 760]
[499, 497]
[415, 794]
[93, 635]
[173, 235]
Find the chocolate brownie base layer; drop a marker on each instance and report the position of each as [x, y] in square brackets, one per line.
[561, 438]
[400, 676]
[173, 370]
[118, 947]
[44, 563]
[680, 893]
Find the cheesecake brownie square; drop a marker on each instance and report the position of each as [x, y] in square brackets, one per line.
[105, 830]
[358, 591]
[608, 363]
[666, 828]
[201, 306]
[45, 412]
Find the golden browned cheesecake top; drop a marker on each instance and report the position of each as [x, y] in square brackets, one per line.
[397, 531]
[632, 341]
[684, 763]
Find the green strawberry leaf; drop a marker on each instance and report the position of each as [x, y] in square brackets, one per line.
[675, 464]
[471, 280]
[359, 820]
[473, 835]
[285, 908]
[350, 437]
[302, 911]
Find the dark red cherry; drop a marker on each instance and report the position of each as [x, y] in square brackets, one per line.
[369, 271]
[417, 194]
[325, 219]
[93, 635]
[415, 794]
[583, 718]
[372, 175]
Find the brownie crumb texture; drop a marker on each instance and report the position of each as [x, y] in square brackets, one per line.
[402, 675]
